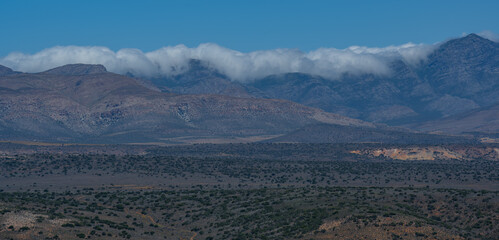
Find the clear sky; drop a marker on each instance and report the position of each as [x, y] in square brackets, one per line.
[30, 26]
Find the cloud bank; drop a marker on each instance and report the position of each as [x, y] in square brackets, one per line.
[238, 66]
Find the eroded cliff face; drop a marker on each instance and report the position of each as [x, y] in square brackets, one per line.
[433, 153]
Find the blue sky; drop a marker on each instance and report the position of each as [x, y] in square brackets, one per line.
[30, 26]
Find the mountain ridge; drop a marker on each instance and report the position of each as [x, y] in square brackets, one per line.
[6, 71]
[84, 103]
[77, 69]
[458, 76]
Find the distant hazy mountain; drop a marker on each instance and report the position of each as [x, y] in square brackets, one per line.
[466, 68]
[459, 76]
[88, 104]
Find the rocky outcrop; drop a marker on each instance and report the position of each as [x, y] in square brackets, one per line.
[417, 153]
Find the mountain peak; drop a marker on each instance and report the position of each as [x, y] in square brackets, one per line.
[77, 69]
[473, 36]
[466, 48]
[470, 41]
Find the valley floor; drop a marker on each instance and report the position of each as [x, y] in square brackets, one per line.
[249, 191]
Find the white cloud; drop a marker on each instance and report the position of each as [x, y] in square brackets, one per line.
[489, 35]
[172, 60]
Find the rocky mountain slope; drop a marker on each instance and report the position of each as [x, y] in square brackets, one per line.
[459, 76]
[88, 104]
[454, 91]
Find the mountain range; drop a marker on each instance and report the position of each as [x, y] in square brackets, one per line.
[86, 103]
[454, 91]
[459, 76]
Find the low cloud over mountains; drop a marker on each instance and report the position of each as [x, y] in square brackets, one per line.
[454, 90]
[238, 66]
